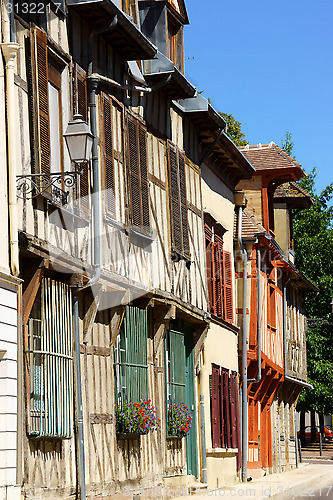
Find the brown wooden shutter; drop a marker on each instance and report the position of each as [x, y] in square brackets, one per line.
[40, 119]
[80, 106]
[138, 182]
[145, 220]
[109, 187]
[178, 203]
[215, 407]
[183, 205]
[225, 401]
[227, 287]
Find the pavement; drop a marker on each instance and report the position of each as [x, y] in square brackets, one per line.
[300, 482]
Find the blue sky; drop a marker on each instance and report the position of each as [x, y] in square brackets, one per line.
[269, 64]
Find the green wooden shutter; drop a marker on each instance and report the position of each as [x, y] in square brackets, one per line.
[177, 367]
[132, 371]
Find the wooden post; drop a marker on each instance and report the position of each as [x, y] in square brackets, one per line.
[302, 428]
[313, 427]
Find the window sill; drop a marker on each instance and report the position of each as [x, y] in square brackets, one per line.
[113, 222]
[140, 238]
[215, 452]
[71, 219]
[226, 324]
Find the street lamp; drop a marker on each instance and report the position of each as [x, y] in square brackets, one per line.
[79, 140]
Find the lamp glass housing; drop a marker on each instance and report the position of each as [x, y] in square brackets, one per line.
[79, 140]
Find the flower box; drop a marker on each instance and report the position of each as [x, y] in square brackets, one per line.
[135, 419]
[179, 421]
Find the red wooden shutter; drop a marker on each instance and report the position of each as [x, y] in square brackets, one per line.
[218, 270]
[40, 118]
[108, 155]
[225, 392]
[80, 106]
[227, 287]
[208, 239]
[233, 389]
[215, 407]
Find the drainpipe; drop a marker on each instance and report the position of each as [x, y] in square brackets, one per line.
[259, 302]
[244, 351]
[95, 202]
[9, 50]
[203, 440]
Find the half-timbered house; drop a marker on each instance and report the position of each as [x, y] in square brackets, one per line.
[111, 251]
[275, 294]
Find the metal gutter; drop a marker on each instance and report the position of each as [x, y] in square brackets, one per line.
[122, 20]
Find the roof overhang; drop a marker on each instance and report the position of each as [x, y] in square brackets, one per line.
[160, 69]
[300, 203]
[104, 16]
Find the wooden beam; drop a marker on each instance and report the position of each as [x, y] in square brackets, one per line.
[89, 318]
[30, 293]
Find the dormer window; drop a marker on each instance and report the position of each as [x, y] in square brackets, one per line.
[175, 42]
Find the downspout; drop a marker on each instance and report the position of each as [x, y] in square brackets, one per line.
[95, 202]
[244, 351]
[259, 302]
[9, 50]
[203, 439]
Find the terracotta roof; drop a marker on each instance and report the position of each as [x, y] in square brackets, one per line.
[291, 190]
[268, 156]
[250, 225]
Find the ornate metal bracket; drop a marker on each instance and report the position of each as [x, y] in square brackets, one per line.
[32, 185]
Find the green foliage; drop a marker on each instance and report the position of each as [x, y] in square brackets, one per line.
[313, 236]
[234, 130]
[287, 144]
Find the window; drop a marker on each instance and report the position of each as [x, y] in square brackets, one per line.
[224, 408]
[130, 357]
[219, 275]
[178, 204]
[138, 174]
[50, 362]
[271, 306]
[45, 74]
[175, 367]
[175, 42]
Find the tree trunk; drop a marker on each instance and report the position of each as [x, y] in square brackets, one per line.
[302, 428]
[313, 427]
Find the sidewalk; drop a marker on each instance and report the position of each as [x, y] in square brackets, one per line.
[293, 483]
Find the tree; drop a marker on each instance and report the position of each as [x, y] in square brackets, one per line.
[313, 239]
[287, 144]
[234, 130]
[313, 236]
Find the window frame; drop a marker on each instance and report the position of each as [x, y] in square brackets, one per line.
[219, 275]
[124, 384]
[54, 357]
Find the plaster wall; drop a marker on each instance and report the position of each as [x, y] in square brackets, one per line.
[8, 391]
[282, 229]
